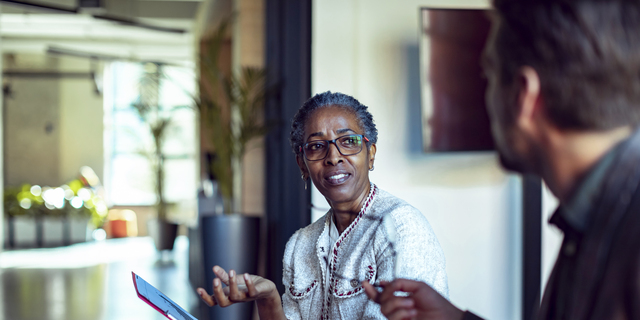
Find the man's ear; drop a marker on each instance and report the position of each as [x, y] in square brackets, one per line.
[372, 155]
[529, 99]
[302, 166]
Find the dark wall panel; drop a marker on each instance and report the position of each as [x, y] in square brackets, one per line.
[289, 67]
[532, 243]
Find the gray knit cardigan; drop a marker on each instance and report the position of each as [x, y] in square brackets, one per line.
[361, 253]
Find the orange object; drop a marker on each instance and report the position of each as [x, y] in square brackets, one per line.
[122, 223]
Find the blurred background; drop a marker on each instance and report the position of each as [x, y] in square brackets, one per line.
[120, 147]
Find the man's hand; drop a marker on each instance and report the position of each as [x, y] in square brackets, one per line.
[422, 303]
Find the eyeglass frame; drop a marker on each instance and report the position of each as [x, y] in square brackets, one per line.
[329, 142]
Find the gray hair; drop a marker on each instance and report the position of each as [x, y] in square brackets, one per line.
[327, 99]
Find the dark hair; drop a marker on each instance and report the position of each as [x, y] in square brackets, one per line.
[586, 53]
[327, 99]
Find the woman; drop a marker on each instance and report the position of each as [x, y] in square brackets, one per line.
[367, 235]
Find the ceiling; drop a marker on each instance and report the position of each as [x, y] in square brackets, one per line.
[148, 30]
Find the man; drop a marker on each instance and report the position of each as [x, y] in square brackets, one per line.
[564, 101]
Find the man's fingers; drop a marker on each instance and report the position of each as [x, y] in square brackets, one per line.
[399, 285]
[402, 314]
[407, 285]
[392, 306]
[371, 291]
[251, 288]
[206, 297]
[218, 294]
[220, 273]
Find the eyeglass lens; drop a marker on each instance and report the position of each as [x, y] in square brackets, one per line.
[347, 146]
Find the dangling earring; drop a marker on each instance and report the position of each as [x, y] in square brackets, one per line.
[305, 181]
[371, 168]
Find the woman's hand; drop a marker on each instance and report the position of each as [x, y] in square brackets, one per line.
[240, 288]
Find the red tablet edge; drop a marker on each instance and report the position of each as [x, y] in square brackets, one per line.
[133, 274]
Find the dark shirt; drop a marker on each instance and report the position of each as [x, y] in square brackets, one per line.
[573, 217]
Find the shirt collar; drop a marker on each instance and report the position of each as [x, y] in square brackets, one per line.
[575, 213]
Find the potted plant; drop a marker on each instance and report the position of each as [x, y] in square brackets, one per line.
[158, 119]
[69, 212]
[45, 216]
[21, 208]
[231, 110]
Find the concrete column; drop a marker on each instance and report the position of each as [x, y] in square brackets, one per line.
[248, 51]
[1, 157]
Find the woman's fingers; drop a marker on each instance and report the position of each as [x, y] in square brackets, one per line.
[238, 288]
[234, 294]
[218, 294]
[220, 273]
[251, 288]
[206, 297]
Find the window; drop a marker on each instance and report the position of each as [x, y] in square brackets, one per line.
[129, 174]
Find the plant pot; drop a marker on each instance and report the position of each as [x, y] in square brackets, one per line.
[230, 241]
[24, 232]
[52, 231]
[5, 232]
[118, 228]
[196, 266]
[79, 229]
[164, 233]
[7, 242]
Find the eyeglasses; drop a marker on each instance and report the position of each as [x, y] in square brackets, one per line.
[347, 146]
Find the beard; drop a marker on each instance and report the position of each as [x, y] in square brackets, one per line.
[513, 147]
[511, 164]
[523, 162]
[505, 138]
